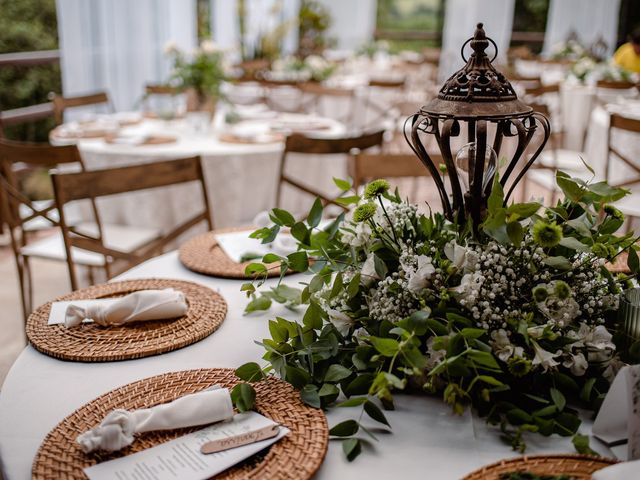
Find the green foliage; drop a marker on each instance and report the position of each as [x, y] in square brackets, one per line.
[402, 302]
[28, 25]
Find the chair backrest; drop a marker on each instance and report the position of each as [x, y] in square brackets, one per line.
[70, 187]
[61, 103]
[365, 167]
[383, 83]
[615, 85]
[18, 157]
[631, 125]
[540, 90]
[313, 94]
[300, 144]
[153, 89]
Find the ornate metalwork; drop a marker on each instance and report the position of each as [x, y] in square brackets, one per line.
[477, 104]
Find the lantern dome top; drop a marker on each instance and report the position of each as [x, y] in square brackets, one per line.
[477, 89]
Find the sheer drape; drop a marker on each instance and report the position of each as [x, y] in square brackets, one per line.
[460, 19]
[591, 20]
[117, 45]
[353, 22]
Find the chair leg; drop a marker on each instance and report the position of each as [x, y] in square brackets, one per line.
[29, 275]
[22, 286]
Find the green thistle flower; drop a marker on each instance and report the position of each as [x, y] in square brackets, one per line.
[376, 188]
[562, 290]
[364, 212]
[518, 366]
[613, 212]
[540, 293]
[547, 234]
[600, 249]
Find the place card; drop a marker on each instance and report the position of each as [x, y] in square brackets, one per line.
[59, 309]
[618, 421]
[181, 458]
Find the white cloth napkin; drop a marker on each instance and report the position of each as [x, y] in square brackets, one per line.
[118, 427]
[619, 471]
[135, 307]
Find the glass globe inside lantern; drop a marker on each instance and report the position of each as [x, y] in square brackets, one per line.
[465, 159]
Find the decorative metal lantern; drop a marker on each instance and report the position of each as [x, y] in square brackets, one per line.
[480, 100]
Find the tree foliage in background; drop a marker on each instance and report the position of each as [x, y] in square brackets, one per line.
[530, 16]
[28, 25]
[410, 15]
[313, 21]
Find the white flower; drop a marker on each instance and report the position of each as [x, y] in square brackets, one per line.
[461, 257]
[613, 368]
[577, 364]
[419, 279]
[600, 348]
[358, 235]
[316, 62]
[434, 356]
[536, 332]
[544, 358]
[368, 272]
[208, 46]
[341, 321]
[503, 347]
[170, 47]
[360, 334]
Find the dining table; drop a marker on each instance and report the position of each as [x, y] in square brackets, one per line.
[240, 152]
[426, 439]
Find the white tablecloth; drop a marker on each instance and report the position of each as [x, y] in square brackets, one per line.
[427, 440]
[241, 178]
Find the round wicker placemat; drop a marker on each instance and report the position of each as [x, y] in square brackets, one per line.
[577, 467]
[202, 254]
[620, 264]
[297, 456]
[93, 343]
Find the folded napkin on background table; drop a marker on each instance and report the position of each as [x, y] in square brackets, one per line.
[118, 427]
[135, 307]
[618, 421]
[619, 471]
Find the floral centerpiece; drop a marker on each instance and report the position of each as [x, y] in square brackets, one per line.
[515, 320]
[291, 68]
[200, 74]
[586, 70]
[571, 50]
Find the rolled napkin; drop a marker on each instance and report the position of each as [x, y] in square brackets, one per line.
[118, 427]
[135, 307]
[619, 471]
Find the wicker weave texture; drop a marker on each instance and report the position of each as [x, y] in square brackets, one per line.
[202, 254]
[578, 467]
[93, 343]
[297, 456]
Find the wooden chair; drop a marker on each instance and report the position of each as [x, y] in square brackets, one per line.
[364, 167]
[394, 88]
[21, 215]
[315, 95]
[300, 144]
[72, 187]
[61, 103]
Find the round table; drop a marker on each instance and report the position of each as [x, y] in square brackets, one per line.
[241, 178]
[426, 440]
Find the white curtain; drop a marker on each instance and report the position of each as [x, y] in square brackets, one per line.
[262, 17]
[117, 45]
[353, 22]
[460, 19]
[591, 20]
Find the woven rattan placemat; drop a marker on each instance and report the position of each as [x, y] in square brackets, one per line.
[93, 343]
[296, 456]
[202, 254]
[620, 264]
[577, 467]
